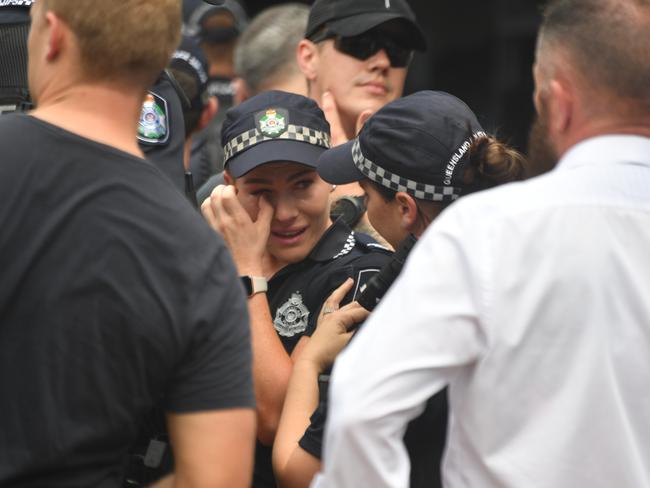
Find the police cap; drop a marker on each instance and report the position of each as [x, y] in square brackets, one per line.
[418, 144]
[273, 126]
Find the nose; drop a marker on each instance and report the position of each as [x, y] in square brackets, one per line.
[379, 61]
[285, 209]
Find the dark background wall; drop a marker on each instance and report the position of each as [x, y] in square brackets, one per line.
[481, 51]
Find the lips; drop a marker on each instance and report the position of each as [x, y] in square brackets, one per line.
[376, 87]
[288, 236]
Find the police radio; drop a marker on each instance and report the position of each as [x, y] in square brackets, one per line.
[379, 284]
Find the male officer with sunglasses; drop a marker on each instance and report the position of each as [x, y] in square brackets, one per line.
[355, 56]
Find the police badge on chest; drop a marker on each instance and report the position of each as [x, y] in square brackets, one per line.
[291, 318]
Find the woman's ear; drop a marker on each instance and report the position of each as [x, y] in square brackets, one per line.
[227, 177]
[408, 211]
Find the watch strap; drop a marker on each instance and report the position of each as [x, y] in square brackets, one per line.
[254, 284]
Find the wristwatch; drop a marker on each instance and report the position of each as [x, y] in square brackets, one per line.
[254, 284]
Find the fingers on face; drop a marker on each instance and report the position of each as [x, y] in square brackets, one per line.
[266, 210]
[363, 117]
[226, 206]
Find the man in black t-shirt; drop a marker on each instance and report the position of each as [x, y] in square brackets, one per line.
[114, 294]
[274, 215]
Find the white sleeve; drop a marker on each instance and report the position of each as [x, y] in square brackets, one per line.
[422, 333]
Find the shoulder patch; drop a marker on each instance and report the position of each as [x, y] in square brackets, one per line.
[292, 317]
[362, 279]
[153, 127]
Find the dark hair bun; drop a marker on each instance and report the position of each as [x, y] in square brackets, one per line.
[493, 163]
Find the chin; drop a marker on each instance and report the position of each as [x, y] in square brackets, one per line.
[290, 255]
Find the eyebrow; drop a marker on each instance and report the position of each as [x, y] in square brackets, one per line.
[265, 181]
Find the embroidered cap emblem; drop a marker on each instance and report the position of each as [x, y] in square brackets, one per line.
[272, 122]
[291, 318]
[153, 127]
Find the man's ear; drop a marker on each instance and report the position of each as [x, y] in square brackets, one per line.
[561, 106]
[208, 113]
[227, 177]
[57, 31]
[408, 211]
[307, 57]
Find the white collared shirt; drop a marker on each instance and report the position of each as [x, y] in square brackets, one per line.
[532, 302]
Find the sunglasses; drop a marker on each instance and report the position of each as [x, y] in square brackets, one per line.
[368, 44]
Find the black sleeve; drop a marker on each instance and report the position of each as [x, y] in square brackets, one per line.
[216, 370]
[312, 439]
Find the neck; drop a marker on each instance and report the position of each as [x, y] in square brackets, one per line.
[636, 127]
[187, 153]
[99, 112]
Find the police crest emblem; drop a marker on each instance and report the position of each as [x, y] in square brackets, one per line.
[291, 318]
[272, 122]
[153, 127]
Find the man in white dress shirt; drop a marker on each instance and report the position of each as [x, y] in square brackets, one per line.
[531, 300]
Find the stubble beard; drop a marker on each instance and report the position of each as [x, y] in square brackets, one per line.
[542, 158]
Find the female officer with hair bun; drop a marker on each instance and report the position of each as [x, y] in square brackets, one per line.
[413, 158]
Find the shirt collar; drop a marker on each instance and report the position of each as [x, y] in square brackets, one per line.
[608, 149]
[337, 241]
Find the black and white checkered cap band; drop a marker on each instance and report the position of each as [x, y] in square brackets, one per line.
[293, 132]
[397, 183]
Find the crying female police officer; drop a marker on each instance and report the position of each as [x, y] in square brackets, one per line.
[274, 216]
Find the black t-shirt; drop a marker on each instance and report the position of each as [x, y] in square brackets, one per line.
[297, 292]
[114, 296]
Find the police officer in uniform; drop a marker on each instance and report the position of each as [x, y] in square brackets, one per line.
[413, 158]
[274, 215]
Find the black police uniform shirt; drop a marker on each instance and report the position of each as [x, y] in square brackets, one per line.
[114, 296]
[424, 438]
[161, 130]
[297, 292]
[207, 157]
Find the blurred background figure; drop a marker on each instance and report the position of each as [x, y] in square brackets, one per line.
[265, 59]
[189, 68]
[355, 56]
[265, 55]
[14, 29]
[216, 28]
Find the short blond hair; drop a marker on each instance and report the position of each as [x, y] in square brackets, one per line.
[121, 39]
